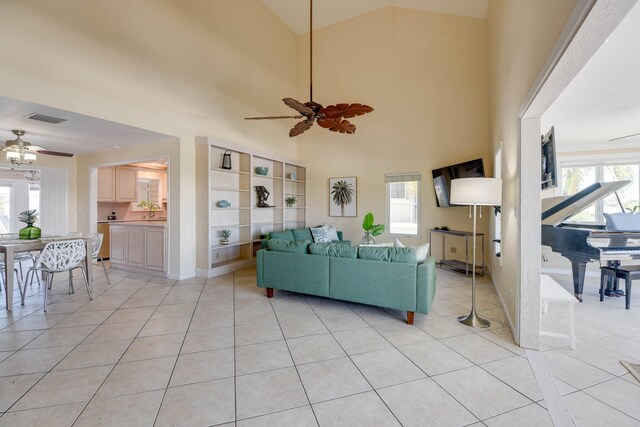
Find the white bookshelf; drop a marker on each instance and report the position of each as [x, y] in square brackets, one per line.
[248, 222]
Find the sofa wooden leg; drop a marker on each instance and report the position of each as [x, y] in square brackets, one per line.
[269, 292]
[410, 317]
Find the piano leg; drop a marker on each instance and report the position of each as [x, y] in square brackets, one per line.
[578, 269]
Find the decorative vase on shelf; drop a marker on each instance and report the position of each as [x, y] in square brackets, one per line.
[224, 242]
[30, 232]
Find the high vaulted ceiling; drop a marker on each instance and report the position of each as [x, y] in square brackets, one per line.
[295, 13]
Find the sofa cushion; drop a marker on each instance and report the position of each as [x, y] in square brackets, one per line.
[338, 250]
[281, 235]
[378, 253]
[302, 234]
[322, 234]
[422, 251]
[292, 246]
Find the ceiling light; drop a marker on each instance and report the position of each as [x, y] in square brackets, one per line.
[18, 158]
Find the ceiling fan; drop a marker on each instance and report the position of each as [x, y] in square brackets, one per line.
[19, 146]
[331, 117]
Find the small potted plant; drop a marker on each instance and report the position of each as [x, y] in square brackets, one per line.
[150, 206]
[30, 232]
[224, 236]
[370, 230]
[290, 201]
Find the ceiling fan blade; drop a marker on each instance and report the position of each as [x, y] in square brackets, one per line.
[299, 107]
[337, 125]
[300, 127]
[345, 110]
[55, 153]
[273, 117]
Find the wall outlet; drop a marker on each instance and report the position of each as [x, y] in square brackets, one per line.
[453, 250]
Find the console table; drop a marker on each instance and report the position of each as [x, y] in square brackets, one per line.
[454, 265]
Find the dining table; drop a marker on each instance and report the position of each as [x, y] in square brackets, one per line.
[9, 247]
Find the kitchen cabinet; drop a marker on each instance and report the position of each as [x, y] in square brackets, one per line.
[126, 184]
[138, 245]
[117, 252]
[117, 184]
[154, 248]
[106, 184]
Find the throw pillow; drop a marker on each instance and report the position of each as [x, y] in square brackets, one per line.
[378, 245]
[333, 231]
[422, 251]
[291, 246]
[321, 235]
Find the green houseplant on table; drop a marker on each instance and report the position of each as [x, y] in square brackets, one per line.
[30, 232]
[370, 230]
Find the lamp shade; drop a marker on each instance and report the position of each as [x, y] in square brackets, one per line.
[476, 191]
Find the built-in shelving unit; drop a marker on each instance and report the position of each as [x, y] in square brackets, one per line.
[248, 222]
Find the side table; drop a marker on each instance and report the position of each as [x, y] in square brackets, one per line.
[454, 265]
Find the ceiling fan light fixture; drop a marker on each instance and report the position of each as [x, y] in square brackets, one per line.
[30, 157]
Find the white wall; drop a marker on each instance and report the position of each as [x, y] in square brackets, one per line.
[426, 76]
[185, 68]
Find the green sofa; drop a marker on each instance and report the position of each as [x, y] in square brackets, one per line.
[390, 278]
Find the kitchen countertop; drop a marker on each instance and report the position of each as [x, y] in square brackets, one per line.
[146, 223]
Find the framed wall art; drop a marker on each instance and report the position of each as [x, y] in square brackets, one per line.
[343, 196]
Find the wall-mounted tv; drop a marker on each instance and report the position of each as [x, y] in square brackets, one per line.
[549, 176]
[442, 178]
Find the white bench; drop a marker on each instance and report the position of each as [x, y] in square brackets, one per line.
[552, 291]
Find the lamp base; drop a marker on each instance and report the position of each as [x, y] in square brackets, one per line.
[474, 320]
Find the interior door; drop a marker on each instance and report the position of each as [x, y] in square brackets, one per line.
[53, 201]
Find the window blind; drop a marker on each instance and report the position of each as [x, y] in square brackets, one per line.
[402, 177]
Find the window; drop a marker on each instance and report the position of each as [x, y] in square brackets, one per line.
[403, 201]
[576, 178]
[34, 199]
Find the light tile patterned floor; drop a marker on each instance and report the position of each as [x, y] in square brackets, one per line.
[599, 390]
[151, 351]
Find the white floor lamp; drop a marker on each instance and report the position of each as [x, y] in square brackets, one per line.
[475, 192]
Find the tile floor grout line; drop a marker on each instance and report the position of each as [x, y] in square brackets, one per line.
[47, 372]
[166, 388]
[123, 353]
[295, 366]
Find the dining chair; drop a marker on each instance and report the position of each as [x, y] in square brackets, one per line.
[17, 275]
[57, 257]
[96, 244]
[20, 257]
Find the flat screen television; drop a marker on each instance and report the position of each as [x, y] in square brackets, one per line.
[549, 166]
[442, 179]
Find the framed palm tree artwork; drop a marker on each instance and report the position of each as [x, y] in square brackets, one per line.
[343, 196]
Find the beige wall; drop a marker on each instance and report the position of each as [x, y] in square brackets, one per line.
[521, 36]
[185, 68]
[426, 75]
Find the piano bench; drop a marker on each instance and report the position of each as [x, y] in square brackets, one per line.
[552, 291]
[626, 272]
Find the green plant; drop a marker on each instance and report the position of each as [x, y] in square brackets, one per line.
[224, 234]
[343, 192]
[290, 201]
[28, 217]
[145, 204]
[371, 229]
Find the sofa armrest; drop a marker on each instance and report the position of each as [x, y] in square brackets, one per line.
[426, 285]
[260, 267]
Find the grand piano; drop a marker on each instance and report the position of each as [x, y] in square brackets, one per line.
[582, 243]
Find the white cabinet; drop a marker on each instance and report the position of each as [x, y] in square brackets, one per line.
[126, 184]
[138, 246]
[154, 248]
[117, 252]
[106, 184]
[117, 184]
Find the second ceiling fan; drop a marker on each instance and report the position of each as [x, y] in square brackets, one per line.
[332, 117]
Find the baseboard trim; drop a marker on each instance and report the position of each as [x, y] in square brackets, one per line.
[505, 311]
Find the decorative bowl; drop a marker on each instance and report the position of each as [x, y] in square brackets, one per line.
[223, 204]
[262, 170]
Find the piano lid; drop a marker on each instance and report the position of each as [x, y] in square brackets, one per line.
[556, 210]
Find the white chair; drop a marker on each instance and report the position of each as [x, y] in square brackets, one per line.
[20, 257]
[96, 244]
[59, 256]
[20, 284]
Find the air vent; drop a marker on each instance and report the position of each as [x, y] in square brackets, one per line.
[43, 118]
